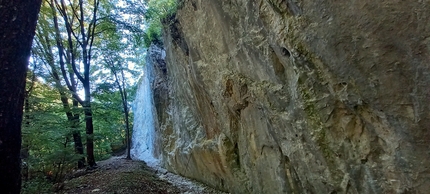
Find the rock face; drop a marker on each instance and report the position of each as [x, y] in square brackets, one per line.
[297, 96]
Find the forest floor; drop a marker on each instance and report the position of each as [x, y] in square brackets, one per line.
[118, 175]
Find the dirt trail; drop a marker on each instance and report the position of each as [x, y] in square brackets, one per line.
[118, 175]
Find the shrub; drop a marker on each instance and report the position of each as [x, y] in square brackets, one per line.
[157, 10]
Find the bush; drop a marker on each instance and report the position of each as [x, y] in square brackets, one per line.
[37, 185]
[157, 10]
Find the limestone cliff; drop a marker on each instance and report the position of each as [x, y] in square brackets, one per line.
[297, 96]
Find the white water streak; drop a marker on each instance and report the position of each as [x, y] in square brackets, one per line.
[142, 147]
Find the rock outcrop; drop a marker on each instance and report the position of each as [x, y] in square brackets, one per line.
[297, 96]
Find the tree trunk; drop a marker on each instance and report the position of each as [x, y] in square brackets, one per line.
[90, 136]
[123, 92]
[77, 139]
[72, 117]
[89, 128]
[127, 129]
[17, 28]
[84, 37]
[126, 115]
[25, 150]
[79, 147]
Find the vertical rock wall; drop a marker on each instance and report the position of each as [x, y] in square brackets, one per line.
[297, 96]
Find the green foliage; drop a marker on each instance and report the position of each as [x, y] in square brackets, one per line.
[108, 119]
[47, 131]
[46, 136]
[157, 10]
[36, 185]
[153, 34]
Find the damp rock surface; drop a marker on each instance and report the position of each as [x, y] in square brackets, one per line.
[296, 96]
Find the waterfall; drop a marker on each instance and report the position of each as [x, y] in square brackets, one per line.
[143, 137]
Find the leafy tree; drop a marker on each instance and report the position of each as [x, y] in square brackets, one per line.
[46, 134]
[80, 21]
[80, 43]
[117, 66]
[120, 80]
[46, 44]
[49, 153]
[17, 26]
[109, 121]
[75, 27]
[60, 45]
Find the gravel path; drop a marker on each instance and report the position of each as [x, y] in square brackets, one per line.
[118, 175]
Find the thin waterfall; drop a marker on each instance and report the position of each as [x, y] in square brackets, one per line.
[143, 137]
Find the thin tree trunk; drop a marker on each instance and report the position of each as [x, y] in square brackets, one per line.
[25, 150]
[17, 28]
[126, 114]
[127, 129]
[123, 92]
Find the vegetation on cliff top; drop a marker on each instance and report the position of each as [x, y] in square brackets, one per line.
[157, 10]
